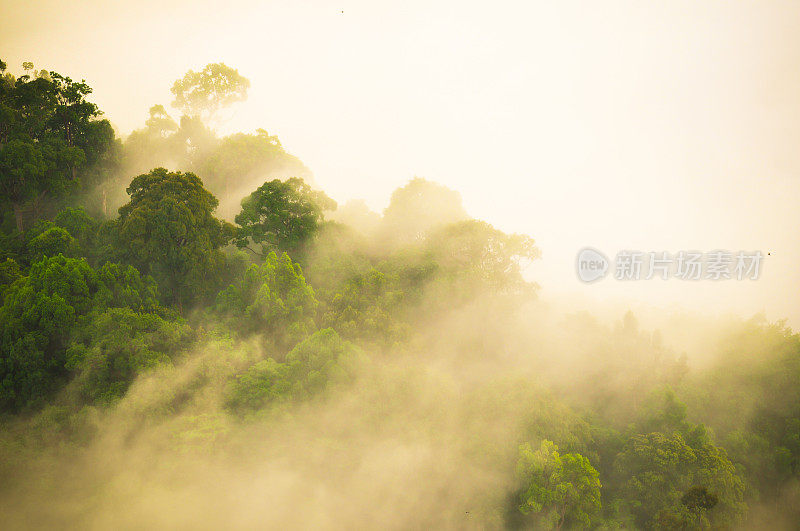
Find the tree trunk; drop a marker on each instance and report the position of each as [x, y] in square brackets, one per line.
[37, 201]
[561, 518]
[18, 216]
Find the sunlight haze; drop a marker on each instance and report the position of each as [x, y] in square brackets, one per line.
[669, 128]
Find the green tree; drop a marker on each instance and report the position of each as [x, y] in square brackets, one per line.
[205, 92]
[322, 360]
[168, 230]
[51, 242]
[558, 489]
[48, 132]
[281, 215]
[662, 412]
[751, 396]
[418, 207]
[273, 299]
[76, 221]
[113, 346]
[366, 308]
[40, 312]
[32, 169]
[76, 120]
[9, 273]
[157, 144]
[84, 229]
[483, 256]
[242, 161]
[160, 122]
[658, 471]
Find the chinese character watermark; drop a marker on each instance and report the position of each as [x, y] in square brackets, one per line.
[592, 265]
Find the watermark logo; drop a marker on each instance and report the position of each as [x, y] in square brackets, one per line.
[591, 264]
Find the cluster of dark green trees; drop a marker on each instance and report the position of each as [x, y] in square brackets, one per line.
[94, 296]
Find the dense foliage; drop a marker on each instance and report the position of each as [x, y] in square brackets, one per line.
[154, 316]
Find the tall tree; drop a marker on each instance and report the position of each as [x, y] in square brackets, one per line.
[272, 298]
[48, 132]
[205, 92]
[418, 207]
[661, 475]
[243, 161]
[168, 230]
[163, 142]
[42, 310]
[479, 252]
[558, 489]
[282, 215]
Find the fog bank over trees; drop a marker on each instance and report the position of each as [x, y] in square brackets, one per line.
[193, 334]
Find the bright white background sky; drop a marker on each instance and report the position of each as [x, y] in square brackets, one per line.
[618, 125]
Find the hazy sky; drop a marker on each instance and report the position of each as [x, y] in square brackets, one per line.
[620, 125]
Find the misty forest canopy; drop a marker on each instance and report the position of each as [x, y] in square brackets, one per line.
[173, 296]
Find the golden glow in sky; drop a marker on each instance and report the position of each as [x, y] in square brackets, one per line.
[619, 125]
